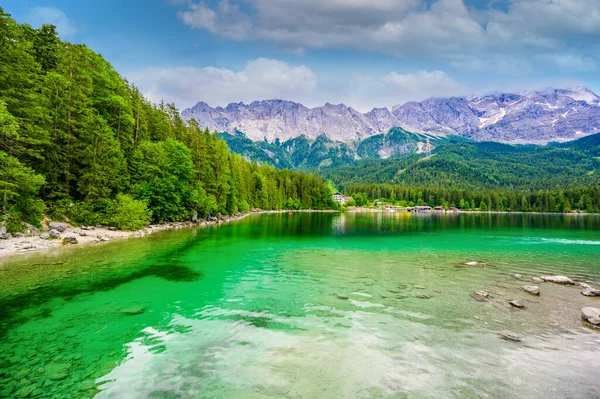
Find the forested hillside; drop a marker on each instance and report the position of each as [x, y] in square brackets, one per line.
[78, 141]
[485, 176]
[465, 164]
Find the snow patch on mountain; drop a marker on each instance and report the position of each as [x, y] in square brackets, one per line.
[536, 117]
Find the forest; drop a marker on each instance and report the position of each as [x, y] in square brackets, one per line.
[585, 199]
[80, 143]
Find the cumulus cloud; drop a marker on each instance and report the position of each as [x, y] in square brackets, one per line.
[440, 29]
[260, 79]
[39, 16]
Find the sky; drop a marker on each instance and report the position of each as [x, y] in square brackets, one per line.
[363, 53]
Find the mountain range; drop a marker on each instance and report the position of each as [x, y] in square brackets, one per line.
[535, 117]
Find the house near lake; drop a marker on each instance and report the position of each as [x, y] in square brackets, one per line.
[340, 198]
[421, 209]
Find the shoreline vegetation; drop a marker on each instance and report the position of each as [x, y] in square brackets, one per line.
[80, 143]
[40, 241]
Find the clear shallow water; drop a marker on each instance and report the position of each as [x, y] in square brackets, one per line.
[307, 305]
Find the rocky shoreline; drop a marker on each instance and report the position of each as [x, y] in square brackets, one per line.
[589, 315]
[58, 234]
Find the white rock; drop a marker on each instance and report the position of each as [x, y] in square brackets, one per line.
[591, 315]
[558, 280]
[532, 289]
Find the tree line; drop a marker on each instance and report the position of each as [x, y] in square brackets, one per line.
[78, 141]
[586, 199]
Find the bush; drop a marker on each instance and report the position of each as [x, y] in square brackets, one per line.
[130, 214]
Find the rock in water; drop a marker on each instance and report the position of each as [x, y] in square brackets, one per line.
[591, 315]
[70, 240]
[478, 264]
[133, 310]
[516, 304]
[532, 289]
[54, 233]
[5, 236]
[591, 292]
[510, 336]
[518, 276]
[558, 280]
[537, 280]
[61, 227]
[45, 236]
[422, 295]
[481, 295]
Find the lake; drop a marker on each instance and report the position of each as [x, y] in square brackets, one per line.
[308, 305]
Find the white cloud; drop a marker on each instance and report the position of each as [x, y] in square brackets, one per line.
[438, 29]
[260, 79]
[39, 16]
[263, 79]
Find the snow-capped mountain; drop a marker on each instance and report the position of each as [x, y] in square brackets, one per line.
[536, 117]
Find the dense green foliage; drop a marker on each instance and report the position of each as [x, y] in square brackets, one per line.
[78, 139]
[484, 176]
[460, 163]
[557, 200]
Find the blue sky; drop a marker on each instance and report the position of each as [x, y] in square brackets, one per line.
[364, 53]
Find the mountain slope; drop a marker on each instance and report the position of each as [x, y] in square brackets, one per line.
[472, 165]
[532, 117]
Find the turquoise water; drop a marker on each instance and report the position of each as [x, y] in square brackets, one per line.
[308, 305]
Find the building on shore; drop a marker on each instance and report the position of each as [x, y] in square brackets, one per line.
[439, 209]
[339, 198]
[421, 209]
[377, 202]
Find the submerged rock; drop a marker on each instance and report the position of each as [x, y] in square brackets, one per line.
[591, 315]
[422, 295]
[481, 295]
[537, 280]
[341, 296]
[558, 280]
[133, 310]
[531, 289]
[516, 304]
[501, 304]
[591, 292]
[510, 336]
[518, 276]
[478, 264]
[584, 285]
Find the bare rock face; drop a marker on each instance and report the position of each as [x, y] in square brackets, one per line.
[531, 289]
[526, 117]
[558, 280]
[591, 292]
[60, 227]
[481, 295]
[591, 315]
